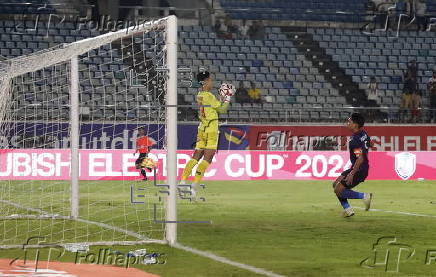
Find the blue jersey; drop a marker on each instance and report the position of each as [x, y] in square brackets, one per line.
[359, 145]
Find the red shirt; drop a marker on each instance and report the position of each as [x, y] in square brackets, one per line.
[142, 144]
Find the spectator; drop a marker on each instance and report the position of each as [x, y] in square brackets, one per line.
[255, 94]
[416, 105]
[371, 16]
[220, 29]
[261, 31]
[232, 29]
[169, 9]
[372, 89]
[408, 89]
[420, 9]
[412, 67]
[95, 14]
[431, 87]
[243, 30]
[392, 17]
[257, 30]
[382, 14]
[410, 79]
[372, 96]
[217, 26]
[410, 8]
[371, 6]
[242, 94]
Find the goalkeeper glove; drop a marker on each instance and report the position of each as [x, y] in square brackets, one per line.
[226, 91]
[227, 98]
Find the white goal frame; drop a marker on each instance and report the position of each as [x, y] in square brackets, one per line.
[70, 52]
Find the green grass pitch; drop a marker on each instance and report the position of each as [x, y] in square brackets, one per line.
[295, 228]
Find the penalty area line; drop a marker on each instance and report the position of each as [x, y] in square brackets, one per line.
[398, 212]
[226, 261]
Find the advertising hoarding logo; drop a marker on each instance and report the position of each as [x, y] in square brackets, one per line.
[405, 164]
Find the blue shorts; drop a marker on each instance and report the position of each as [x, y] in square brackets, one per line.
[358, 178]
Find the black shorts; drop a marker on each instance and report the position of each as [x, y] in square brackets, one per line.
[358, 178]
[141, 157]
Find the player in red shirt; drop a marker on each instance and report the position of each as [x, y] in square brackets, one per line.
[143, 146]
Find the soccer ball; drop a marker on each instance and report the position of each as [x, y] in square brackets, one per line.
[148, 163]
[226, 90]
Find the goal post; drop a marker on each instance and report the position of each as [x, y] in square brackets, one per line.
[125, 79]
[74, 136]
[171, 209]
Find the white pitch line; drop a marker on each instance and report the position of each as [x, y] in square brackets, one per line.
[397, 212]
[16, 205]
[226, 261]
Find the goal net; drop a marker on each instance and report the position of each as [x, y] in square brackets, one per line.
[69, 117]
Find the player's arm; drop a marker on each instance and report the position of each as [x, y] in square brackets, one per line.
[151, 143]
[357, 164]
[218, 106]
[360, 159]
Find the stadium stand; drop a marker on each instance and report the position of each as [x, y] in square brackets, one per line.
[288, 80]
[381, 56]
[293, 81]
[94, 92]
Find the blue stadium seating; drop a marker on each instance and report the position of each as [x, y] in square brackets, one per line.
[287, 79]
[380, 56]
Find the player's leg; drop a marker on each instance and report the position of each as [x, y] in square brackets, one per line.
[209, 153]
[338, 188]
[201, 169]
[198, 154]
[204, 164]
[360, 177]
[138, 163]
[344, 190]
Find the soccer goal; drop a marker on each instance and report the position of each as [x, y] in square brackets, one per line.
[60, 110]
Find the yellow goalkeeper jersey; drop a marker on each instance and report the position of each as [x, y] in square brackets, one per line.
[208, 116]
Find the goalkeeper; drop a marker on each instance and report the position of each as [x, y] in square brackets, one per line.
[207, 136]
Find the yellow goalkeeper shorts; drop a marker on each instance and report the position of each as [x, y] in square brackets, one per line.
[207, 140]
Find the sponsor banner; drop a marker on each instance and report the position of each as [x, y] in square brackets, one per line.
[232, 137]
[55, 135]
[20, 164]
[308, 138]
